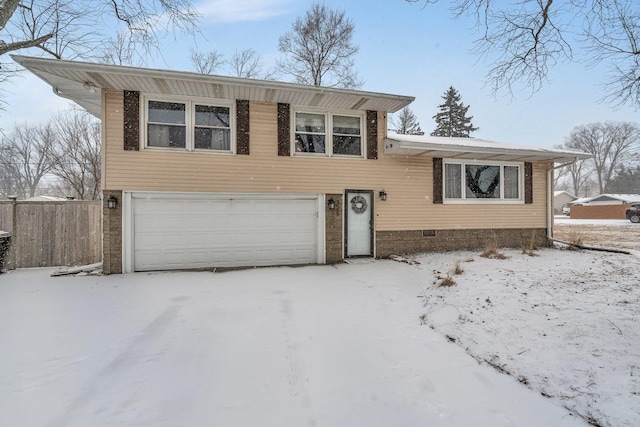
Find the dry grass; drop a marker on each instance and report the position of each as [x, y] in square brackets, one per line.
[457, 270]
[530, 248]
[575, 242]
[492, 252]
[446, 281]
[624, 236]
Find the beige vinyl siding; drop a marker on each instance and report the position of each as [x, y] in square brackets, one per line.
[406, 179]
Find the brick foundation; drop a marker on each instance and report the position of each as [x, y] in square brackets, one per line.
[112, 234]
[411, 241]
[333, 229]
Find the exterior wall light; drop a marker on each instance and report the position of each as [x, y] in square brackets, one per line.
[331, 203]
[112, 202]
[383, 196]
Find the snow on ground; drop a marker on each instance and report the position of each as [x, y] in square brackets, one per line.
[564, 323]
[308, 346]
[562, 219]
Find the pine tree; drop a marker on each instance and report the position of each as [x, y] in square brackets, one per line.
[452, 119]
[406, 123]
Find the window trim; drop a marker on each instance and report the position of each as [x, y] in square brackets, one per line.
[328, 149]
[464, 200]
[190, 122]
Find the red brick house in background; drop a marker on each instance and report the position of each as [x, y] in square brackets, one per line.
[604, 206]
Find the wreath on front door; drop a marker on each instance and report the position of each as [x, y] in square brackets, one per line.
[359, 204]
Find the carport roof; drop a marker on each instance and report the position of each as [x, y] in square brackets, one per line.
[81, 82]
[474, 149]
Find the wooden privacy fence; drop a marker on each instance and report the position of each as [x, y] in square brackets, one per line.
[48, 234]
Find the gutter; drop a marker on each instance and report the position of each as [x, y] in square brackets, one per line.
[549, 200]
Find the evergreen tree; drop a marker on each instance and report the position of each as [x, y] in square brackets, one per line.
[452, 119]
[406, 123]
[626, 181]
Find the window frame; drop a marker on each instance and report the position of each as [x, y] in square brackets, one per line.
[190, 122]
[328, 144]
[501, 200]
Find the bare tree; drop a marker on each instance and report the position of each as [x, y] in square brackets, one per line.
[524, 39]
[246, 63]
[406, 123]
[26, 155]
[578, 176]
[70, 29]
[120, 50]
[611, 144]
[76, 154]
[206, 63]
[319, 50]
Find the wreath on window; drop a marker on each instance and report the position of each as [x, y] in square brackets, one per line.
[358, 204]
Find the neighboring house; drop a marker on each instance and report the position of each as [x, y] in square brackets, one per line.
[604, 206]
[611, 199]
[205, 171]
[560, 199]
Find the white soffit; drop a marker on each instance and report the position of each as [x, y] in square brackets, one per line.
[82, 82]
[473, 149]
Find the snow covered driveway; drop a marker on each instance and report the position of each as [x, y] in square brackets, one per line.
[308, 346]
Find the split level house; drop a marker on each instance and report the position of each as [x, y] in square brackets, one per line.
[202, 171]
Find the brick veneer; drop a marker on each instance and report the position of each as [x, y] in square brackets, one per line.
[599, 212]
[112, 234]
[410, 241]
[333, 229]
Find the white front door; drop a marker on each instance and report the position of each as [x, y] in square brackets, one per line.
[359, 214]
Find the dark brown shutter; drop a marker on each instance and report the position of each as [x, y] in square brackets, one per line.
[372, 134]
[131, 120]
[528, 182]
[242, 126]
[437, 180]
[284, 130]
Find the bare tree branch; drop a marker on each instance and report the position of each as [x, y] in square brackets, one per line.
[611, 144]
[206, 63]
[318, 49]
[524, 39]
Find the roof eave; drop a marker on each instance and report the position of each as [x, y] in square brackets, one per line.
[411, 148]
[76, 77]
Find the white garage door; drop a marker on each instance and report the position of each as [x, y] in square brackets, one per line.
[179, 232]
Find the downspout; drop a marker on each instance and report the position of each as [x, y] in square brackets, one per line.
[549, 199]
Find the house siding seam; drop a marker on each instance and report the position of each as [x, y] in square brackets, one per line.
[372, 135]
[112, 234]
[437, 181]
[284, 129]
[333, 229]
[242, 127]
[131, 110]
[413, 241]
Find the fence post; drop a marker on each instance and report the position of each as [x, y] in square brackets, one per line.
[14, 232]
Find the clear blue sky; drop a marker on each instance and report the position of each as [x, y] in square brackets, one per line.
[405, 49]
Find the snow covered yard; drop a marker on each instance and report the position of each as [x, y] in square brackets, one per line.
[309, 346]
[565, 323]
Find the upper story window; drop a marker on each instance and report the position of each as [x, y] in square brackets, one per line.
[328, 134]
[189, 125]
[472, 181]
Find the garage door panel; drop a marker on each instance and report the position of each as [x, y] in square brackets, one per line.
[182, 233]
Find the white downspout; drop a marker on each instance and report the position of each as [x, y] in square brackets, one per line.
[549, 196]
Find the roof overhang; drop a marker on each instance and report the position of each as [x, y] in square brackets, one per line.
[474, 149]
[82, 83]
